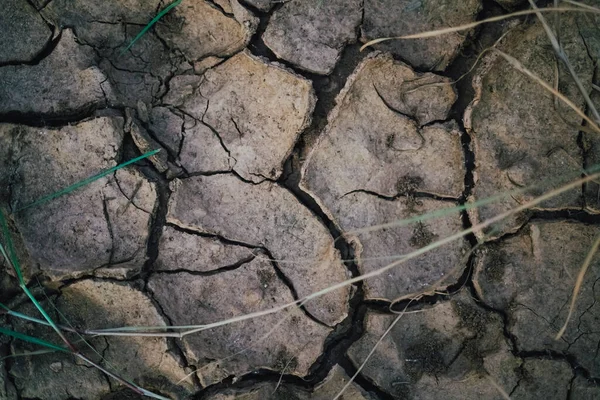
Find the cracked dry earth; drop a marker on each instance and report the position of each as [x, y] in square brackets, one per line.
[279, 141]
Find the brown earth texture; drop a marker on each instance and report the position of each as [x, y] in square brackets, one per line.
[286, 156]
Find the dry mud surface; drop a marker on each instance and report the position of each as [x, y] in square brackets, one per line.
[279, 142]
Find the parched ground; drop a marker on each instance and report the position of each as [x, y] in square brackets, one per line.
[279, 141]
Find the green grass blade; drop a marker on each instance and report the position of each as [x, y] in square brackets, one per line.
[129, 384]
[150, 24]
[86, 181]
[69, 327]
[11, 257]
[32, 353]
[28, 354]
[31, 339]
[3, 252]
[23, 316]
[43, 312]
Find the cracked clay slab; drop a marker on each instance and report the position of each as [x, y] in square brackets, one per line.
[94, 305]
[178, 250]
[530, 276]
[103, 224]
[199, 29]
[166, 126]
[446, 351]
[288, 341]
[24, 32]
[266, 215]
[391, 18]
[202, 150]
[66, 82]
[107, 27]
[380, 147]
[519, 138]
[381, 136]
[311, 34]
[544, 379]
[434, 270]
[257, 109]
[584, 389]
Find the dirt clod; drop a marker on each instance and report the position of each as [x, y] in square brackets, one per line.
[312, 34]
[226, 206]
[390, 18]
[253, 109]
[438, 353]
[103, 225]
[20, 20]
[65, 83]
[538, 268]
[521, 139]
[239, 348]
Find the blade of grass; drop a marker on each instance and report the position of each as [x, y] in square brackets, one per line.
[28, 354]
[38, 321]
[150, 24]
[137, 389]
[578, 283]
[556, 61]
[499, 388]
[285, 367]
[86, 181]
[12, 260]
[438, 214]
[47, 317]
[16, 314]
[71, 328]
[71, 351]
[31, 339]
[459, 28]
[582, 5]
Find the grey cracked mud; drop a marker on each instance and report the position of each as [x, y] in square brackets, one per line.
[263, 164]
